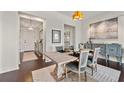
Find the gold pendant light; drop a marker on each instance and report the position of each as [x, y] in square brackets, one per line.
[78, 15]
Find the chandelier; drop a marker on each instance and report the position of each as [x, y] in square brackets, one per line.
[78, 15]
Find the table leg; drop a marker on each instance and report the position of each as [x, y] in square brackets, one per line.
[58, 72]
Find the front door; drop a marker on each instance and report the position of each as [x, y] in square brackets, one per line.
[27, 40]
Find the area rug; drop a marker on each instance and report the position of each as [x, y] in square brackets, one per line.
[29, 56]
[103, 74]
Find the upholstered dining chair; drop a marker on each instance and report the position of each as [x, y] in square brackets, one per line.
[79, 67]
[93, 63]
[59, 49]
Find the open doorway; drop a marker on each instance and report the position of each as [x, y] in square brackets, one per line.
[69, 37]
[31, 37]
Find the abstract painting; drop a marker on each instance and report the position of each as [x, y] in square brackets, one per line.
[107, 29]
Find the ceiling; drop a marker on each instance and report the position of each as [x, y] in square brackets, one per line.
[88, 14]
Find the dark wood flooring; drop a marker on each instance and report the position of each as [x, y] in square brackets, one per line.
[24, 73]
[25, 68]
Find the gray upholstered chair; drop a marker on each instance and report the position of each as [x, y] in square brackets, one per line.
[93, 63]
[79, 67]
[59, 49]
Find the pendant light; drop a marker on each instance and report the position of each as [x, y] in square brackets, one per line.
[78, 15]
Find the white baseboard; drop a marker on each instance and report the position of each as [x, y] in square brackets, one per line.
[9, 69]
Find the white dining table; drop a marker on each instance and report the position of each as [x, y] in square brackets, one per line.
[60, 59]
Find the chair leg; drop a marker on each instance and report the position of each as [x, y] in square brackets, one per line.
[85, 76]
[96, 67]
[92, 70]
[66, 72]
[79, 77]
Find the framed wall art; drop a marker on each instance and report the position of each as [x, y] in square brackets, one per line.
[56, 36]
[107, 29]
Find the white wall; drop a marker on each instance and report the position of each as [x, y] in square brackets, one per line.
[0, 40]
[70, 29]
[10, 42]
[121, 30]
[55, 20]
[107, 15]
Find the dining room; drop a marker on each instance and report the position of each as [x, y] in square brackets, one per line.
[76, 48]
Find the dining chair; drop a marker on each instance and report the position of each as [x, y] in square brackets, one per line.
[59, 49]
[93, 63]
[80, 66]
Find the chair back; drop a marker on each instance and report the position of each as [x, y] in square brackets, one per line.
[95, 55]
[83, 59]
[59, 48]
